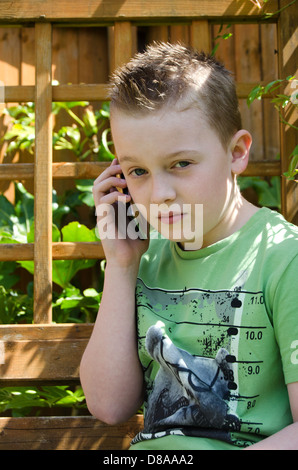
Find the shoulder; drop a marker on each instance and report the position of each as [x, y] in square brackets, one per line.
[281, 236]
[279, 242]
[279, 225]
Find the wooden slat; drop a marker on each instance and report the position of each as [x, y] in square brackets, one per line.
[90, 170]
[19, 94]
[78, 250]
[200, 35]
[43, 175]
[99, 92]
[51, 332]
[100, 10]
[66, 433]
[262, 168]
[63, 250]
[85, 92]
[123, 42]
[42, 352]
[179, 33]
[60, 170]
[287, 42]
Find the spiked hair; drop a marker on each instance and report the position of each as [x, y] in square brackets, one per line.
[177, 76]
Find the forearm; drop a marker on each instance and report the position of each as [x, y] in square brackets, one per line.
[111, 373]
[286, 439]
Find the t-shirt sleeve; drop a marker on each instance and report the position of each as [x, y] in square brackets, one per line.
[285, 320]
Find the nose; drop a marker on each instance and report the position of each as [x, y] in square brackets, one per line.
[162, 190]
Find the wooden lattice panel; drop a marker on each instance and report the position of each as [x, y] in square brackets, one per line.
[122, 17]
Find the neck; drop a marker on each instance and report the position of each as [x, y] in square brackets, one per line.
[236, 213]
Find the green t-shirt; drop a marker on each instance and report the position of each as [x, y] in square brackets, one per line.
[218, 337]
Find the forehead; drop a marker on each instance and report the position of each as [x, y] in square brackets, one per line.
[166, 122]
[165, 117]
[160, 133]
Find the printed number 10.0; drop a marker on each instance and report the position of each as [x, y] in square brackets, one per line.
[254, 335]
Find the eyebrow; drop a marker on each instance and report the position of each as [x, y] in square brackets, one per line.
[128, 158]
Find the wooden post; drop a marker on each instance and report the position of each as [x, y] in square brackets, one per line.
[287, 57]
[124, 44]
[43, 175]
[200, 35]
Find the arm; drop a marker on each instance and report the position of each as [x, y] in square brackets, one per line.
[111, 374]
[287, 438]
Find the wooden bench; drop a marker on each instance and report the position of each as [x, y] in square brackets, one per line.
[66, 433]
[51, 354]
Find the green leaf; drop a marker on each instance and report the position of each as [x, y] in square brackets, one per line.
[64, 270]
[24, 206]
[16, 220]
[85, 187]
[104, 152]
[104, 112]
[68, 138]
[90, 122]
[58, 105]
[256, 93]
[8, 278]
[7, 213]
[268, 192]
[14, 306]
[292, 170]
[22, 399]
[76, 232]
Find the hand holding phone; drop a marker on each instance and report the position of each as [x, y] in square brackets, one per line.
[111, 196]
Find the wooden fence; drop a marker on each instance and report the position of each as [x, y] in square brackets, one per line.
[51, 353]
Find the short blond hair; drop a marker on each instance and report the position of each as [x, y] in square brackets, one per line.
[178, 76]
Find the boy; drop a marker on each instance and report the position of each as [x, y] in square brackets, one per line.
[213, 356]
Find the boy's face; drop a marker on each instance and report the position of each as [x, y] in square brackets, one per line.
[174, 161]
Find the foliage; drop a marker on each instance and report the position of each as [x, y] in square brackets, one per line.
[21, 400]
[17, 226]
[16, 307]
[224, 36]
[281, 102]
[70, 304]
[86, 137]
[259, 4]
[268, 192]
[267, 16]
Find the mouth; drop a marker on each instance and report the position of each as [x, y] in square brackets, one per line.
[170, 217]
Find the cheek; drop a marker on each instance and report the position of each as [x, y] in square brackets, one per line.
[140, 200]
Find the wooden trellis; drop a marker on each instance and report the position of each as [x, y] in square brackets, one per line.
[47, 352]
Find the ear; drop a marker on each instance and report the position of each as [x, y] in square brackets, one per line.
[239, 150]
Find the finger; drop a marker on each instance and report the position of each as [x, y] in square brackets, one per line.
[114, 197]
[110, 184]
[112, 170]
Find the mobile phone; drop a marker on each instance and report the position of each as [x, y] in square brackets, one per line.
[129, 212]
[125, 190]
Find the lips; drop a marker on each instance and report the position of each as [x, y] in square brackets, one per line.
[170, 217]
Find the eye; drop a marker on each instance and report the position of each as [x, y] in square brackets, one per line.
[182, 164]
[138, 172]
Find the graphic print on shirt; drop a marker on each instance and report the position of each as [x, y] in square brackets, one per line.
[188, 391]
[192, 393]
